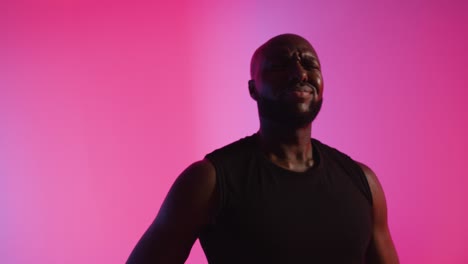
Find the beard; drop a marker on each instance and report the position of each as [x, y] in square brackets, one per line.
[287, 113]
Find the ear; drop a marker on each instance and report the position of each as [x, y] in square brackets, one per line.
[252, 90]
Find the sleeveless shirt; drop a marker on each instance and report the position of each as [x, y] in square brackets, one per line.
[269, 214]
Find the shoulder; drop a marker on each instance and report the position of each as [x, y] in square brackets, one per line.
[360, 174]
[196, 185]
[193, 195]
[374, 184]
[243, 143]
[381, 249]
[368, 172]
[335, 157]
[187, 209]
[378, 196]
[200, 176]
[327, 150]
[233, 152]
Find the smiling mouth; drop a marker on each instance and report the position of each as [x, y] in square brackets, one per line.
[302, 90]
[300, 93]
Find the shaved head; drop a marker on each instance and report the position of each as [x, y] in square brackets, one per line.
[286, 80]
[261, 51]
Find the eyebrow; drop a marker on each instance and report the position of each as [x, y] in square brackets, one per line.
[309, 55]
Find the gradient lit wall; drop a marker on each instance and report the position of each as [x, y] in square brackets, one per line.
[103, 104]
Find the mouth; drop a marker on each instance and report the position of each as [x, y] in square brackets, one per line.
[303, 88]
[302, 91]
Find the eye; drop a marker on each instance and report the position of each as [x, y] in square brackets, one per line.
[310, 64]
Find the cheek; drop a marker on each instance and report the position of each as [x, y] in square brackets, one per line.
[319, 82]
[271, 87]
[321, 87]
[263, 90]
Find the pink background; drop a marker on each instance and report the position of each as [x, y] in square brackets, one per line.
[103, 105]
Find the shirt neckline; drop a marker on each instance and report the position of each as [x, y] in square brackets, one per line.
[318, 159]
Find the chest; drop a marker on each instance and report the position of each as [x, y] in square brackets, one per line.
[322, 212]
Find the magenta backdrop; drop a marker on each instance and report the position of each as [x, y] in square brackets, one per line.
[104, 104]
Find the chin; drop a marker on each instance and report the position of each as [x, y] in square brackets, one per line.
[304, 109]
[297, 115]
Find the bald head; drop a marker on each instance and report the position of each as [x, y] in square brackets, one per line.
[269, 47]
[286, 80]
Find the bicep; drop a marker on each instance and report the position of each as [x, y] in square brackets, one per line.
[381, 248]
[188, 207]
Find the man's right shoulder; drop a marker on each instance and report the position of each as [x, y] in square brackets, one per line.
[202, 169]
[234, 149]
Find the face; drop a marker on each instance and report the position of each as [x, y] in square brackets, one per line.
[287, 81]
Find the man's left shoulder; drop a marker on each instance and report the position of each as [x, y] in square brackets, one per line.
[367, 170]
[329, 150]
[372, 180]
[360, 174]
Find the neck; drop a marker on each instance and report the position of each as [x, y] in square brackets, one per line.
[288, 147]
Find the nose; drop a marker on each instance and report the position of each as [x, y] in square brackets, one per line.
[298, 73]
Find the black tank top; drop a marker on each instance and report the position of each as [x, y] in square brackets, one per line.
[272, 215]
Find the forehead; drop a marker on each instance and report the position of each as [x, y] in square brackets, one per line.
[280, 47]
[287, 46]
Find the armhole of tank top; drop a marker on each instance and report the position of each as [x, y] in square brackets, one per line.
[365, 184]
[220, 186]
[358, 178]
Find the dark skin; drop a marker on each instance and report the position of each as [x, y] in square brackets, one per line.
[278, 68]
[285, 70]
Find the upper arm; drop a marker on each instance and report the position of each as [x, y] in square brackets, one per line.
[187, 209]
[381, 248]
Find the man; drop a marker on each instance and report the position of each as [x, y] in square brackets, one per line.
[277, 196]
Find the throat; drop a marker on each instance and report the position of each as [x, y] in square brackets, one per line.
[290, 149]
